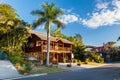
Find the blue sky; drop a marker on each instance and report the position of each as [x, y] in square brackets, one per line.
[98, 21]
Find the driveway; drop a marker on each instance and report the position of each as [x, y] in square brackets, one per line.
[75, 67]
[7, 70]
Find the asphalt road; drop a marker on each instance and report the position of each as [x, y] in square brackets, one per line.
[109, 72]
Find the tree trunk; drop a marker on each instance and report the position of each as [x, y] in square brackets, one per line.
[48, 45]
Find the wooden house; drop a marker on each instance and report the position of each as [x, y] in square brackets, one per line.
[60, 49]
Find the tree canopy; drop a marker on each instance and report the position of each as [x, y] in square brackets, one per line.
[14, 32]
[7, 15]
[57, 33]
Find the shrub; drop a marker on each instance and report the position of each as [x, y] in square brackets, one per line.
[79, 63]
[75, 60]
[16, 58]
[18, 66]
[87, 60]
[96, 57]
[92, 57]
[27, 66]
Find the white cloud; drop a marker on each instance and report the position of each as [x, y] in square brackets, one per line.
[105, 16]
[40, 27]
[69, 18]
[116, 3]
[102, 5]
[67, 10]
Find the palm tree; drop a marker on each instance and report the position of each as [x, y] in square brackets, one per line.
[110, 44]
[118, 39]
[48, 15]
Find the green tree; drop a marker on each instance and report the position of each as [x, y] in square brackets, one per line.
[15, 37]
[14, 32]
[14, 40]
[7, 13]
[78, 46]
[49, 14]
[57, 33]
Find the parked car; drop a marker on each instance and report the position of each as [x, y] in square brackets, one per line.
[3, 56]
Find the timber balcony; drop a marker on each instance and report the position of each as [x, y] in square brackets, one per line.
[57, 49]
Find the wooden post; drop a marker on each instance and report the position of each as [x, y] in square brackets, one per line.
[63, 57]
[57, 58]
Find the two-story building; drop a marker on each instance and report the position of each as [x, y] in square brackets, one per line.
[60, 49]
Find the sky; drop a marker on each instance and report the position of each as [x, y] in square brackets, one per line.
[98, 21]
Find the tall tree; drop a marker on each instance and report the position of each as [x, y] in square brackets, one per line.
[49, 14]
[78, 46]
[57, 33]
[7, 13]
[15, 38]
[13, 32]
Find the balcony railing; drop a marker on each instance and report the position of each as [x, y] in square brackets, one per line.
[57, 48]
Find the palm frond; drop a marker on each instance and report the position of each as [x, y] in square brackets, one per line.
[59, 24]
[57, 11]
[39, 22]
[50, 13]
[37, 12]
[118, 39]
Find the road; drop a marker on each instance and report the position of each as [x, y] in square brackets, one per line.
[108, 72]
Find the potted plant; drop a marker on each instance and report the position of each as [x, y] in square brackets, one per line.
[69, 65]
[87, 61]
[79, 63]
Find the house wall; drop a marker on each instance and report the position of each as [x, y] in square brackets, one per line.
[31, 46]
[38, 49]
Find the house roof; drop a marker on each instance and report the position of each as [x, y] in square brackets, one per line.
[43, 36]
[64, 40]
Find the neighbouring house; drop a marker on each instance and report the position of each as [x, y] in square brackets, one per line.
[108, 53]
[60, 49]
[99, 49]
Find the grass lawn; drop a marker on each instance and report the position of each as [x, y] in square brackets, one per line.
[44, 69]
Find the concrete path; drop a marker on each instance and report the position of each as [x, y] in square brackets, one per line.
[75, 67]
[7, 70]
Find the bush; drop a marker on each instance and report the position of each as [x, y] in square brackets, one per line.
[79, 63]
[18, 66]
[96, 57]
[27, 66]
[92, 57]
[75, 60]
[87, 60]
[15, 58]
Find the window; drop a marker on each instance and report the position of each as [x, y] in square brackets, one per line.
[38, 43]
[30, 45]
